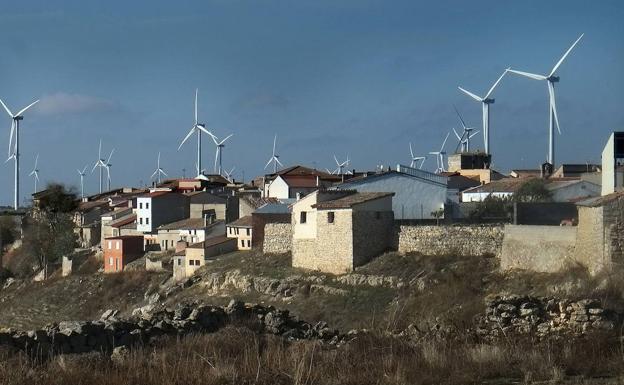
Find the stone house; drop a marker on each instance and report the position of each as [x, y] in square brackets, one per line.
[87, 222]
[249, 203]
[338, 230]
[108, 218]
[417, 193]
[267, 214]
[600, 232]
[203, 203]
[119, 251]
[241, 230]
[185, 263]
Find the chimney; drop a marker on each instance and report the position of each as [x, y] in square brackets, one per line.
[318, 181]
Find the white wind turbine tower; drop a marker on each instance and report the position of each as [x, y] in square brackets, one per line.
[440, 156]
[159, 171]
[467, 134]
[219, 152]
[35, 172]
[416, 159]
[102, 164]
[196, 129]
[82, 175]
[108, 166]
[274, 158]
[14, 152]
[340, 166]
[552, 108]
[485, 105]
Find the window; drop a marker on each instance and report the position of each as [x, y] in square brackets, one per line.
[248, 231]
[117, 244]
[192, 262]
[110, 245]
[147, 205]
[140, 221]
[197, 262]
[242, 243]
[147, 221]
[140, 205]
[179, 261]
[237, 231]
[110, 261]
[330, 217]
[302, 217]
[248, 243]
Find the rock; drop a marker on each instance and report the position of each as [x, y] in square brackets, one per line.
[234, 307]
[120, 354]
[108, 314]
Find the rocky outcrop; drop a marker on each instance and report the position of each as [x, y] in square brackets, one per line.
[109, 333]
[544, 316]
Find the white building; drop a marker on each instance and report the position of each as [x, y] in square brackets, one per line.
[160, 207]
[417, 193]
[613, 164]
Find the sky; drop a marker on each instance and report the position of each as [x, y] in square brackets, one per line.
[356, 78]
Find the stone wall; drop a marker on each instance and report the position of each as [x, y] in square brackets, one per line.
[372, 234]
[614, 230]
[277, 238]
[538, 248]
[468, 240]
[590, 239]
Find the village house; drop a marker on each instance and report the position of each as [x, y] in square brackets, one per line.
[296, 181]
[189, 230]
[338, 230]
[120, 251]
[87, 222]
[108, 218]
[160, 207]
[248, 203]
[417, 193]
[241, 230]
[186, 262]
[268, 213]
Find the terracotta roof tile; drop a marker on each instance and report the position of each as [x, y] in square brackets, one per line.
[351, 200]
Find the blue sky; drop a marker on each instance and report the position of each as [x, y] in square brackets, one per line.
[361, 78]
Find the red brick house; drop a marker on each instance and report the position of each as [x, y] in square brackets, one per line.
[121, 250]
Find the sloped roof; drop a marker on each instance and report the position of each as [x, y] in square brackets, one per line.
[241, 222]
[351, 200]
[257, 202]
[188, 223]
[123, 220]
[301, 181]
[210, 242]
[273, 208]
[602, 200]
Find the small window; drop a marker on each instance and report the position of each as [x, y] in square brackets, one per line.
[140, 221]
[248, 231]
[330, 217]
[248, 243]
[179, 261]
[110, 245]
[117, 244]
[147, 221]
[147, 205]
[140, 205]
[303, 217]
[192, 262]
[110, 261]
[237, 231]
[197, 262]
[242, 243]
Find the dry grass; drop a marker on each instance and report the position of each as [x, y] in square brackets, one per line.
[239, 356]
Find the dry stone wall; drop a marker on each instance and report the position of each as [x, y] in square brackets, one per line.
[464, 240]
[277, 238]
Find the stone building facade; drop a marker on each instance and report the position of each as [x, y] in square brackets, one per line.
[277, 238]
[475, 240]
[336, 231]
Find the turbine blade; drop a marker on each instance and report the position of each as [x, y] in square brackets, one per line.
[564, 56]
[411, 151]
[278, 162]
[6, 109]
[214, 139]
[216, 158]
[226, 138]
[155, 172]
[196, 91]
[100, 150]
[475, 97]
[85, 168]
[529, 75]
[36, 160]
[164, 173]
[202, 128]
[495, 84]
[444, 143]
[186, 137]
[475, 133]
[27, 107]
[457, 135]
[274, 143]
[110, 155]
[268, 163]
[460, 117]
[31, 173]
[336, 159]
[553, 106]
[11, 136]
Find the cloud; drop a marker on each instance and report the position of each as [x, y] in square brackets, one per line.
[259, 101]
[63, 103]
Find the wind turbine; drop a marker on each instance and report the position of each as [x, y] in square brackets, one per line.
[103, 164]
[274, 158]
[159, 171]
[552, 108]
[35, 172]
[108, 166]
[196, 129]
[341, 165]
[416, 159]
[467, 134]
[228, 175]
[485, 105]
[440, 156]
[15, 154]
[82, 175]
[219, 152]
